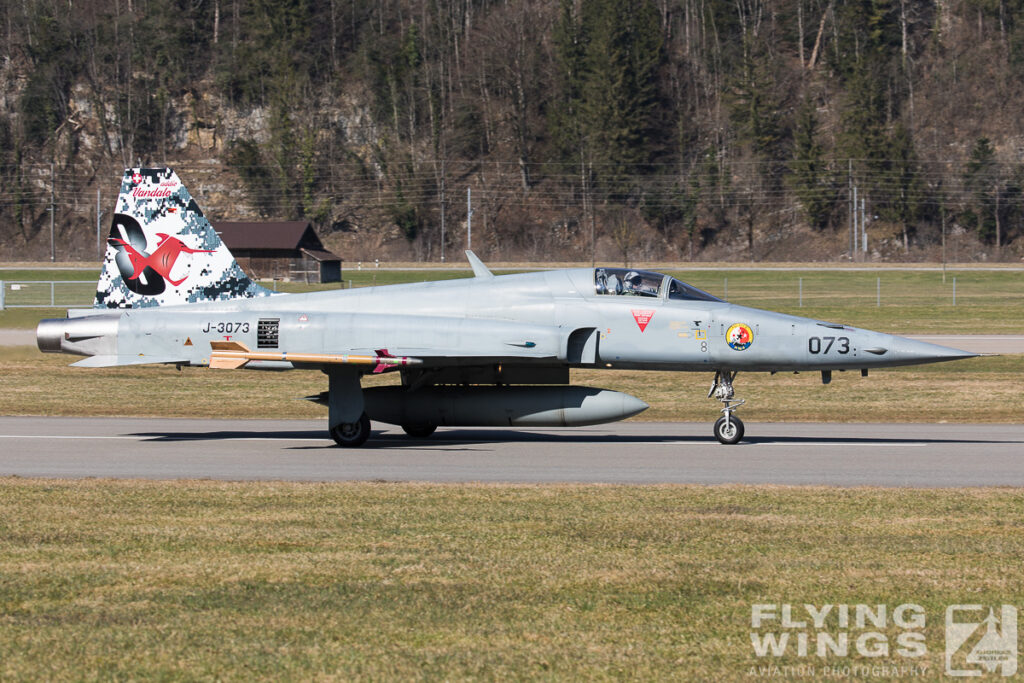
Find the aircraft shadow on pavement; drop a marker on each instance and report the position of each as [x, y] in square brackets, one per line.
[493, 436]
[450, 437]
[235, 434]
[395, 440]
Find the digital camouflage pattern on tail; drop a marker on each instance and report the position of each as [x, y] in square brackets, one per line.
[162, 251]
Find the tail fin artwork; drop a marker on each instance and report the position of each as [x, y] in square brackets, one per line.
[162, 250]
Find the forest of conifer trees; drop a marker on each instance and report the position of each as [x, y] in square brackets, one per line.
[612, 129]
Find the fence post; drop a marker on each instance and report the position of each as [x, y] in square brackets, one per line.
[801, 291]
[878, 292]
[2, 295]
[726, 296]
[52, 288]
[954, 291]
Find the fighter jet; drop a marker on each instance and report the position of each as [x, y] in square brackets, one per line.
[482, 351]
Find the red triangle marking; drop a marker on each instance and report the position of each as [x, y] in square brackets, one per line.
[642, 317]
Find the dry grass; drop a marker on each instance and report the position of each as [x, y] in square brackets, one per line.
[982, 389]
[205, 580]
[914, 302]
[976, 390]
[108, 580]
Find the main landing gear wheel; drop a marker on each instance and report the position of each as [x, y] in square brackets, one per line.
[728, 428]
[729, 431]
[419, 431]
[351, 434]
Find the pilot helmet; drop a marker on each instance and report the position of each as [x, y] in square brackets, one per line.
[633, 277]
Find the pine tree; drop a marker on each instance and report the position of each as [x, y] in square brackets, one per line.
[619, 92]
[810, 177]
[570, 47]
[904, 179]
[981, 181]
[609, 56]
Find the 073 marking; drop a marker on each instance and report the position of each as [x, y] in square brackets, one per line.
[814, 344]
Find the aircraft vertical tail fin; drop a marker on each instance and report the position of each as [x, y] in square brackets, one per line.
[162, 250]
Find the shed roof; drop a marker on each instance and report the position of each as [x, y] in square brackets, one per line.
[278, 235]
[321, 255]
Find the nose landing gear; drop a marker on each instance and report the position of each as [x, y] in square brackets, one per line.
[728, 428]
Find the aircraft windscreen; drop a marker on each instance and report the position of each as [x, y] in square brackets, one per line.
[627, 282]
[681, 291]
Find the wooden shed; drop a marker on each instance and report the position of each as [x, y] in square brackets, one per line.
[287, 250]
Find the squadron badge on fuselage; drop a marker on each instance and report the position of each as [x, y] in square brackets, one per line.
[739, 337]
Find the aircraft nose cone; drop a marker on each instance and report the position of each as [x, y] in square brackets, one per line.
[912, 351]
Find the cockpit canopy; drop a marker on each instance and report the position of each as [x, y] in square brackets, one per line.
[629, 282]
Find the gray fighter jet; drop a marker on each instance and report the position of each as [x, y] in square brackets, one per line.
[481, 351]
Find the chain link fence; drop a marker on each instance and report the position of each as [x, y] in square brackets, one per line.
[760, 289]
[47, 293]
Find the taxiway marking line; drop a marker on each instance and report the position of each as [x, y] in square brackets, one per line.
[155, 437]
[450, 442]
[968, 337]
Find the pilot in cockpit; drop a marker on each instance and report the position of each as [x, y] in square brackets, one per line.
[633, 283]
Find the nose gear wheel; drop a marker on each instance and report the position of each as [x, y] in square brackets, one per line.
[728, 428]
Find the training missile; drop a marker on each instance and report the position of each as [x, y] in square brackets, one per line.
[230, 355]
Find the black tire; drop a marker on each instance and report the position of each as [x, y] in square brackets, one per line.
[352, 434]
[419, 431]
[726, 435]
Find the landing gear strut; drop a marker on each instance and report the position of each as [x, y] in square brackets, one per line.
[347, 422]
[728, 428]
[351, 434]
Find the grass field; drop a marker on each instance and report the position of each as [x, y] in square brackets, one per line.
[911, 301]
[984, 389]
[108, 580]
[976, 390]
[104, 580]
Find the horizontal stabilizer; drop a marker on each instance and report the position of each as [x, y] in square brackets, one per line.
[113, 361]
[230, 355]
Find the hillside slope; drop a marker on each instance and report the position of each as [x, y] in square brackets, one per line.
[626, 129]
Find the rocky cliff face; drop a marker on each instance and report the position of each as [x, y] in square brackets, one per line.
[625, 131]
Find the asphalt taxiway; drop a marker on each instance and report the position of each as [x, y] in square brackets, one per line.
[917, 455]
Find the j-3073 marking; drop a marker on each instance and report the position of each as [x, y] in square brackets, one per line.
[226, 327]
